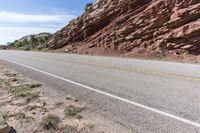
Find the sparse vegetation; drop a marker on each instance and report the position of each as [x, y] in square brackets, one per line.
[23, 101]
[21, 91]
[34, 85]
[32, 42]
[18, 44]
[30, 107]
[88, 6]
[72, 110]
[50, 122]
[70, 129]
[32, 96]
[10, 74]
[29, 119]
[20, 115]
[5, 115]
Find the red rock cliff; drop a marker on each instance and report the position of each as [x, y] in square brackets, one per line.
[134, 28]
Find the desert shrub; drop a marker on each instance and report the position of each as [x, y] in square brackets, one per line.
[18, 44]
[5, 115]
[33, 40]
[72, 110]
[20, 115]
[88, 6]
[21, 91]
[50, 122]
[41, 39]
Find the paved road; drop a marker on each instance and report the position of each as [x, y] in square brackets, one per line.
[145, 96]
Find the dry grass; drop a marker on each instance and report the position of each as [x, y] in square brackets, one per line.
[72, 110]
[50, 122]
[19, 115]
[24, 103]
[22, 90]
[70, 129]
[4, 114]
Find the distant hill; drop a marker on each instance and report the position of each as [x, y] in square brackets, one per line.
[32, 42]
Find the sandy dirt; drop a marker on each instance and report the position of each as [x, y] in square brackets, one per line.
[30, 107]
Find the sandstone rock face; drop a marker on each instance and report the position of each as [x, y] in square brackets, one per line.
[134, 27]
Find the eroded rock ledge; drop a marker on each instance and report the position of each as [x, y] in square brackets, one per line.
[134, 27]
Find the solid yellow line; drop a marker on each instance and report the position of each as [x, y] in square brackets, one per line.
[139, 70]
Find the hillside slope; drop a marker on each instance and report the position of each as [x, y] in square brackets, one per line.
[32, 42]
[142, 28]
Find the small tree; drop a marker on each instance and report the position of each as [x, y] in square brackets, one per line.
[88, 6]
[32, 40]
[18, 44]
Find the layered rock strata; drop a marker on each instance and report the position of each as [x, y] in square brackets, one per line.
[134, 28]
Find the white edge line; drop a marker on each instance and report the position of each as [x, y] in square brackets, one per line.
[112, 96]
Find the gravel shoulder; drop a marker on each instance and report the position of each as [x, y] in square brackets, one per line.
[30, 106]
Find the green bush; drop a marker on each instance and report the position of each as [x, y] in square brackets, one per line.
[18, 44]
[88, 6]
[42, 39]
[34, 42]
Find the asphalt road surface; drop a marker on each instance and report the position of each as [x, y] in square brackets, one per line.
[143, 96]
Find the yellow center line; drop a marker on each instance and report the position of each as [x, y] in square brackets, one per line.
[140, 70]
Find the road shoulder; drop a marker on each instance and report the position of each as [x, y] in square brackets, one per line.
[29, 106]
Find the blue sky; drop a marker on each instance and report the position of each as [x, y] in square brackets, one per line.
[23, 17]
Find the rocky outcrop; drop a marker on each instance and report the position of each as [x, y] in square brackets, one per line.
[134, 27]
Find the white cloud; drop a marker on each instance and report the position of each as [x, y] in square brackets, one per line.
[6, 16]
[15, 25]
